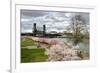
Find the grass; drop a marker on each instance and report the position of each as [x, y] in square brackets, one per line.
[27, 42]
[31, 55]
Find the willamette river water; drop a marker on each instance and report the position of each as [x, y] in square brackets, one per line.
[82, 45]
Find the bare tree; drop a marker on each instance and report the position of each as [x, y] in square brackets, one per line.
[78, 28]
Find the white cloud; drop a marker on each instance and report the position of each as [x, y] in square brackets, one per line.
[25, 20]
[26, 30]
[68, 14]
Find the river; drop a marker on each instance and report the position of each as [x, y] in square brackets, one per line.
[84, 46]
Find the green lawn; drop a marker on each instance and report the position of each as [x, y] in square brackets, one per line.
[27, 42]
[31, 55]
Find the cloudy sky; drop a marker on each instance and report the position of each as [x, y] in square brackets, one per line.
[57, 21]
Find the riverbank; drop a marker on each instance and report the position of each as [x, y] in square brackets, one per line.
[57, 50]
